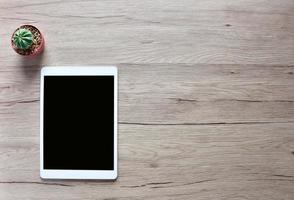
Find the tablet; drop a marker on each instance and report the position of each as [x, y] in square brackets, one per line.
[78, 123]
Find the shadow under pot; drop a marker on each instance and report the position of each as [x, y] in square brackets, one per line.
[27, 40]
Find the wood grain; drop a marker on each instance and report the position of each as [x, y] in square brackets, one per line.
[227, 32]
[206, 96]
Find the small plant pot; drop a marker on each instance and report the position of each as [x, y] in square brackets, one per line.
[37, 46]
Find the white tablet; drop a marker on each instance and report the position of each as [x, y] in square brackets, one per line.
[78, 123]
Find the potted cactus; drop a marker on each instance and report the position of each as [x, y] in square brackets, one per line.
[27, 40]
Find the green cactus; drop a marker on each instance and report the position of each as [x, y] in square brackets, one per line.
[23, 38]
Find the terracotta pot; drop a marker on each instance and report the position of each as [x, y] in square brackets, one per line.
[30, 52]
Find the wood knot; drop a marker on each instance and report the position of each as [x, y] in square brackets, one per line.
[147, 42]
[228, 25]
[154, 165]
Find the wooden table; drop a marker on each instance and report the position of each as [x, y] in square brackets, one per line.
[206, 96]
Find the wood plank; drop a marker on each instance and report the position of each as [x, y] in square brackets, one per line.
[91, 32]
[169, 162]
[171, 94]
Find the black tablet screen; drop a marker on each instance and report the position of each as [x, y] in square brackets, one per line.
[78, 125]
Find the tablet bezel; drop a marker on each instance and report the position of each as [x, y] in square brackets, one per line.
[78, 174]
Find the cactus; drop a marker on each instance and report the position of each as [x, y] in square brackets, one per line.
[23, 38]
